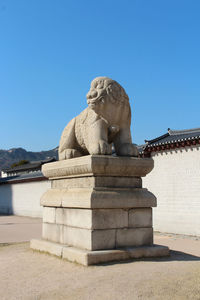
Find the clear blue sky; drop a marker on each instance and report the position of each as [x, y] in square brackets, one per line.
[50, 50]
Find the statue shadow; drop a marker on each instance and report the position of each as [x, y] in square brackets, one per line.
[174, 256]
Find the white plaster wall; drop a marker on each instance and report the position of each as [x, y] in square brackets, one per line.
[175, 181]
[23, 199]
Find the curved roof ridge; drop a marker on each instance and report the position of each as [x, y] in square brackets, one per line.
[185, 131]
[158, 138]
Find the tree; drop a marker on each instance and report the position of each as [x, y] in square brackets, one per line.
[19, 163]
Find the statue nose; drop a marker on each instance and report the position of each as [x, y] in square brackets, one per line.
[92, 94]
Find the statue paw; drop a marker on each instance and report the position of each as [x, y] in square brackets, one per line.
[69, 153]
[101, 147]
[128, 150]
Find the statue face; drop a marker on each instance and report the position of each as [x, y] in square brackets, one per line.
[107, 99]
[97, 94]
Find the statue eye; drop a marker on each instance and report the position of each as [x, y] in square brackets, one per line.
[100, 85]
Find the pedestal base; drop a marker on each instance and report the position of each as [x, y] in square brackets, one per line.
[97, 210]
[86, 257]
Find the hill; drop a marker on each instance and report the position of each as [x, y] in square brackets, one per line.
[8, 157]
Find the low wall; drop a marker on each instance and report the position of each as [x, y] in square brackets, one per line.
[22, 197]
[175, 181]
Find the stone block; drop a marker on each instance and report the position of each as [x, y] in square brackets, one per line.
[75, 217]
[131, 237]
[86, 257]
[60, 216]
[92, 219]
[45, 246]
[140, 217]
[99, 181]
[52, 232]
[99, 165]
[77, 237]
[76, 255]
[99, 198]
[103, 239]
[118, 182]
[89, 239]
[109, 218]
[51, 198]
[49, 214]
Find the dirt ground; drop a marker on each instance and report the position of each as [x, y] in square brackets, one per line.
[25, 274]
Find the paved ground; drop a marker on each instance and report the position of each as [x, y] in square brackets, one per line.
[25, 274]
[19, 229]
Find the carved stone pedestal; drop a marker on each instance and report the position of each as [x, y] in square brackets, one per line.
[97, 211]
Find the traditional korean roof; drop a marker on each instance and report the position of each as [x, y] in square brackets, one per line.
[171, 140]
[35, 176]
[33, 165]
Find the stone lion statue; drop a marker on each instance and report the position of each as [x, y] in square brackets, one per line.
[105, 122]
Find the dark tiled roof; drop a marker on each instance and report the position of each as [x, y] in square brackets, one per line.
[35, 176]
[173, 137]
[29, 166]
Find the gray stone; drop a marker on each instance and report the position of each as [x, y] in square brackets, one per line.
[92, 219]
[103, 239]
[105, 122]
[51, 198]
[100, 181]
[130, 237]
[99, 165]
[52, 232]
[109, 218]
[81, 218]
[99, 198]
[77, 237]
[49, 214]
[89, 239]
[86, 257]
[96, 202]
[59, 216]
[45, 246]
[140, 217]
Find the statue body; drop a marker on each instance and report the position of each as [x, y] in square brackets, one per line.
[104, 122]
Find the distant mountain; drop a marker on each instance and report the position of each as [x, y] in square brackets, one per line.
[8, 157]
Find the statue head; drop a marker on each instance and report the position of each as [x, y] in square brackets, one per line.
[105, 91]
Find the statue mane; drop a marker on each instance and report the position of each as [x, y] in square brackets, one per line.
[104, 86]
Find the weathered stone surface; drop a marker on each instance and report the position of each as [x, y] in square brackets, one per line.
[140, 217]
[59, 216]
[99, 198]
[103, 239]
[49, 214]
[46, 246]
[89, 239]
[92, 219]
[52, 232]
[105, 122]
[96, 202]
[81, 218]
[100, 181]
[130, 237]
[109, 218]
[99, 165]
[51, 198]
[77, 237]
[76, 255]
[86, 257]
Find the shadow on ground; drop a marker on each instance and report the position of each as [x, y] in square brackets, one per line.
[174, 256]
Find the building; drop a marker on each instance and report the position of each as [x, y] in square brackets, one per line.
[175, 180]
[21, 189]
[30, 167]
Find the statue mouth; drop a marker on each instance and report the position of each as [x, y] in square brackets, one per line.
[94, 102]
